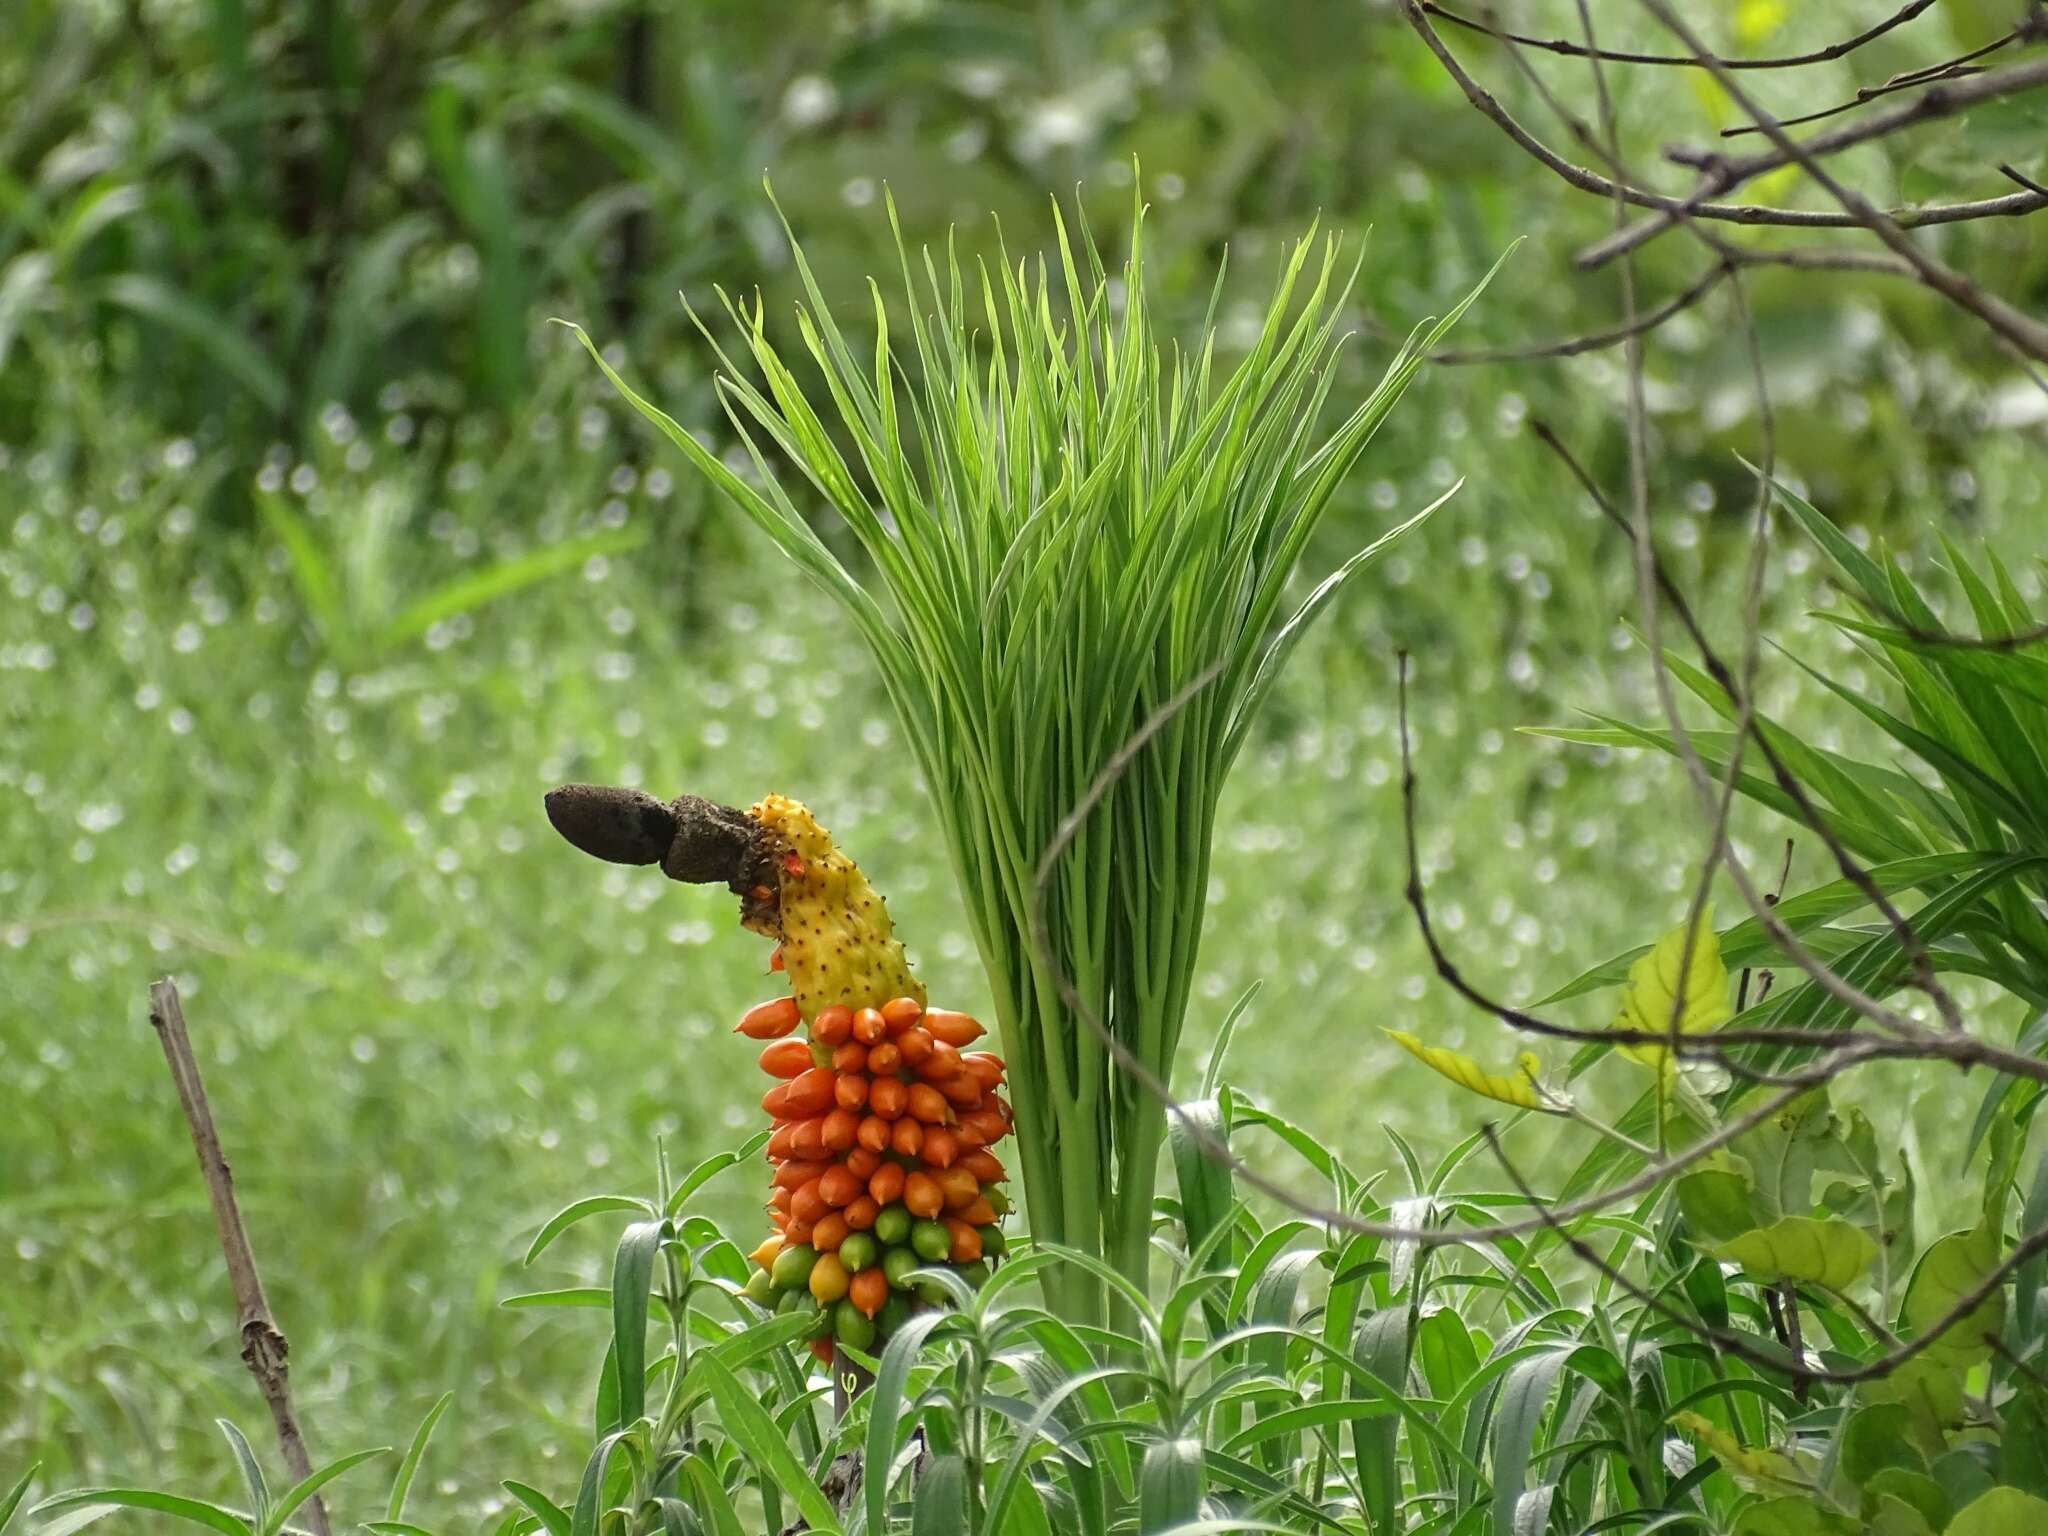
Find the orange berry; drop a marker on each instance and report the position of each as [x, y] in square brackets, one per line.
[778, 1141]
[985, 1125]
[885, 1058]
[797, 1231]
[926, 1103]
[983, 1166]
[864, 1161]
[962, 1091]
[907, 1137]
[921, 1192]
[869, 1290]
[888, 1097]
[955, 1029]
[830, 1232]
[959, 1187]
[886, 1186]
[942, 1064]
[808, 1205]
[979, 1214]
[823, 1350]
[786, 1058]
[899, 1013]
[916, 1046]
[850, 1057]
[869, 1026]
[833, 1026]
[851, 1091]
[776, 1102]
[794, 1175]
[986, 1066]
[873, 1134]
[779, 1200]
[966, 1241]
[839, 1185]
[811, 1092]
[769, 1021]
[940, 1147]
[839, 1129]
[807, 1140]
[862, 1213]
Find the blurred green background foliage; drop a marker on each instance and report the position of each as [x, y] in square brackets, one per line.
[324, 555]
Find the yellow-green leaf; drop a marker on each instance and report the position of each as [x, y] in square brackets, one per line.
[1932, 1394]
[1517, 1088]
[1666, 980]
[1833, 1254]
[2001, 1512]
[1950, 1270]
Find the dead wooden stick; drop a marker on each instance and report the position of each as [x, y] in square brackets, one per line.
[263, 1345]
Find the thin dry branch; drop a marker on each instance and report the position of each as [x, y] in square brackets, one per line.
[1905, 80]
[1568, 49]
[1742, 1346]
[2009, 205]
[264, 1349]
[1721, 173]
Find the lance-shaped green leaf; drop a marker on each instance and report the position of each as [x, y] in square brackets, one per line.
[1518, 1087]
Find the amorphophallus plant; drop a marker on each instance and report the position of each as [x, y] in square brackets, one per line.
[1067, 521]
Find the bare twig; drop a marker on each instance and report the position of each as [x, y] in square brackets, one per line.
[263, 1345]
[1741, 1345]
[1905, 80]
[1723, 173]
[2010, 205]
[1559, 45]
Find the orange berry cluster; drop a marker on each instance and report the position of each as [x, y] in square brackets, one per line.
[880, 1113]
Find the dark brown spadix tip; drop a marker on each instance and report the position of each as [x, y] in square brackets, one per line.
[691, 838]
[620, 826]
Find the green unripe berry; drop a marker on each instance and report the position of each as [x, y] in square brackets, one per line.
[858, 1252]
[897, 1263]
[932, 1241]
[993, 1244]
[851, 1326]
[894, 1314]
[893, 1225]
[759, 1289]
[792, 1268]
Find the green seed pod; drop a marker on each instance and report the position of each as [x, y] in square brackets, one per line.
[786, 1303]
[933, 1294]
[893, 1225]
[851, 1326]
[932, 1241]
[858, 1252]
[975, 1274]
[792, 1268]
[993, 1244]
[759, 1289]
[897, 1263]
